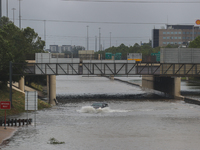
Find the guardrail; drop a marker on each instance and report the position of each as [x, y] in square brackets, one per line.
[16, 122]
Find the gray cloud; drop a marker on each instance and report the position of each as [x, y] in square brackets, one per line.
[61, 33]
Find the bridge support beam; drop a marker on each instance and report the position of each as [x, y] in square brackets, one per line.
[168, 85]
[21, 84]
[51, 89]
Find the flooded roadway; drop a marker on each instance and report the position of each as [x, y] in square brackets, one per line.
[126, 125]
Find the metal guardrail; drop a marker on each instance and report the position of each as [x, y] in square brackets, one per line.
[163, 69]
[179, 69]
[15, 122]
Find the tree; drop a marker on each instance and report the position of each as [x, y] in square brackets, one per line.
[145, 49]
[33, 41]
[15, 43]
[195, 43]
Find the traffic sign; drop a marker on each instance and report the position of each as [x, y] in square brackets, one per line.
[5, 105]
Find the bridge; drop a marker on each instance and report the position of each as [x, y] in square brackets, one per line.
[123, 68]
[154, 75]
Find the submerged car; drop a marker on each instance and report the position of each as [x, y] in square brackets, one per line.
[99, 105]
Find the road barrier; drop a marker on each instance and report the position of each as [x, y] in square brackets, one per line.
[16, 122]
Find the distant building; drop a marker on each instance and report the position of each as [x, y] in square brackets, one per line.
[66, 48]
[174, 35]
[86, 54]
[54, 48]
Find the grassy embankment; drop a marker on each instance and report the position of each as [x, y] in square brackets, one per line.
[18, 100]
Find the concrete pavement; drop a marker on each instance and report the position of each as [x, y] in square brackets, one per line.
[6, 133]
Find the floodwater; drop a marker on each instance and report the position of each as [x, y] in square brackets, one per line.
[127, 124]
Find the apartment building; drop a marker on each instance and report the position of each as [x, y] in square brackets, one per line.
[174, 35]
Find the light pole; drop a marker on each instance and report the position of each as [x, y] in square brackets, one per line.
[20, 14]
[99, 38]
[87, 39]
[7, 8]
[95, 43]
[110, 39]
[13, 15]
[45, 34]
[0, 9]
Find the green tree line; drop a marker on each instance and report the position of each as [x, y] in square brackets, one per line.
[145, 49]
[15, 44]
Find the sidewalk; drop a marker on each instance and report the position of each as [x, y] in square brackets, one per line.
[6, 133]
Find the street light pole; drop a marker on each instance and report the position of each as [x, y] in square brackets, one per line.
[7, 8]
[0, 9]
[99, 38]
[87, 39]
[20, 14]
[95, 43]
[110, 39]
[45, 34]
[13, 15]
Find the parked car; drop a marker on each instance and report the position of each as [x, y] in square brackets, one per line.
[100, 105]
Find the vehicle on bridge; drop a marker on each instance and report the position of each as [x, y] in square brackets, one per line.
[99, 105]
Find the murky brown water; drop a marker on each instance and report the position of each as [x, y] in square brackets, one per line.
[125, 125]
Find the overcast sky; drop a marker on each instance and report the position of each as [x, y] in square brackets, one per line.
[126, 22]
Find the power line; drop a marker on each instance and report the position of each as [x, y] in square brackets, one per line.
[64, 36]
[102, 22]
[112, 1]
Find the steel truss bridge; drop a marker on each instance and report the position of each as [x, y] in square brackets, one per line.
[92, 68]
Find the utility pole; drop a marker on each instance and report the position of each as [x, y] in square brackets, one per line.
[13, 15]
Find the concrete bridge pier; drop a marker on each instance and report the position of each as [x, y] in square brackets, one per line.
[168, 85]
[21, 84]
[111, 77]
[51, 89]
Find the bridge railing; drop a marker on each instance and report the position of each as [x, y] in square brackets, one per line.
[180, 69]
[88, 68]
[105, 68]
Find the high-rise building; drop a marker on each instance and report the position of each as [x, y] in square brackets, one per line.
[174, 35]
